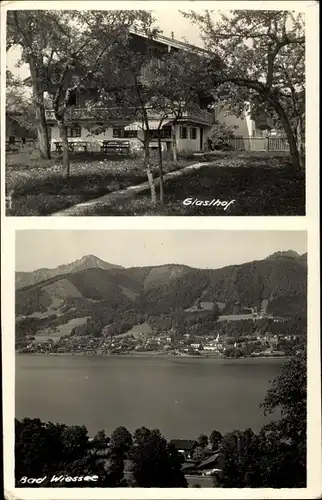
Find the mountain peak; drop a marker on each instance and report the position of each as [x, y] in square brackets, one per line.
[93, 261]
[288, 254]
[86, 262]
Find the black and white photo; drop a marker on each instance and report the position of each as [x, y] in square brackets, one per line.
[180, 364]
[160, 298]
[132, 112]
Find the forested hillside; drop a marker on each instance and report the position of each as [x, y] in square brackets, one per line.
[280, 279]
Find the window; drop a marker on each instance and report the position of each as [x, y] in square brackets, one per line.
[74, 131]
[193, 133]
[183, 132]
[73, 99]
[130, 133]
[166, 133]
[119, 132]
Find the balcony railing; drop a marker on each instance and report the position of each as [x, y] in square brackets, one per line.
[200, 116]
[73, 114]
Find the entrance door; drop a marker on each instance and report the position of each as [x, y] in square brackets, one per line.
[201, 139]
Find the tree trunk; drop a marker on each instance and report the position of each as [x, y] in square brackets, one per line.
[174, 142]
[149, 173]
[42, 133]
[296, 159]
[63, 136]
[38, 98]
[161, 172]
[301, 139]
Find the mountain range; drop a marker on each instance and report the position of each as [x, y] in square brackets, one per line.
[280, 279]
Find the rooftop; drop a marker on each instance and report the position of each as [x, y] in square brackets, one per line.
[183, 444]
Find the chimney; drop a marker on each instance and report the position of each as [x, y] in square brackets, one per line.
[172, 35]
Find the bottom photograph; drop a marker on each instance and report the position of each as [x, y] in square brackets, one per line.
[160, 359]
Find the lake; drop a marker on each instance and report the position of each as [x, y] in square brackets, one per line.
[182, 397]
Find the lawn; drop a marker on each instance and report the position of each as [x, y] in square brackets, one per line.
[37, 187]
[259, 185]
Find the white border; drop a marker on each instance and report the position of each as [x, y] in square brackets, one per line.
[309, 223]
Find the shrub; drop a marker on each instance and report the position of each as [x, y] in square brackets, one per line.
[219, 136]
[186, 154]
[136, 148]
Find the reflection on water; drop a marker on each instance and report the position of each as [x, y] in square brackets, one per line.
[182, 397]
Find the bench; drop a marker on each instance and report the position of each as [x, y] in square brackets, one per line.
[72, 146]
[122, 147]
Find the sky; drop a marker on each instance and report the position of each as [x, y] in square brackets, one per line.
[212, 249]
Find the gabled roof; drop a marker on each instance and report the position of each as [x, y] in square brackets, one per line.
[184, 444]
[188, 466]
[165, 40]
[209, 460]
[172, 42]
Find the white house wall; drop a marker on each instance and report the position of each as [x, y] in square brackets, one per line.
[245, 126]
[182, 144]
[241, 125]
[188, 144]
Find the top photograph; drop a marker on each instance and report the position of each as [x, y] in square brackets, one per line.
[155, 113]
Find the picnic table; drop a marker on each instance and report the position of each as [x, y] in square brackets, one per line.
[122, 147]
[72, 146]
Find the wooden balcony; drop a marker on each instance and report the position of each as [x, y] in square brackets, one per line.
[75, 114]
[203, 117]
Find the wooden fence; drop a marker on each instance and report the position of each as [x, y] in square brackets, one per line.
[259, 143]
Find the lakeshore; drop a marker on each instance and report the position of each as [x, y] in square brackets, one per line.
[147, 355]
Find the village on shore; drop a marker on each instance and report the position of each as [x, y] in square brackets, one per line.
[267, 344]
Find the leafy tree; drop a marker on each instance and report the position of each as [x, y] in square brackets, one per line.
[100, 440]
[276, 457]
[203, 440]
[19, 106]
[199, 453]
[101, 437]
[215, 439]
[183, 81]
[288, 393]
[120, 74]
[240, 452]
[284, 441]
[121, 439]
[141, 435]
[62, 49]
[97, 37]
[115, 470]
[46, 449]
[31, 447]
[40, 36]
[263, 55]
[75, 442]
[155, 463]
